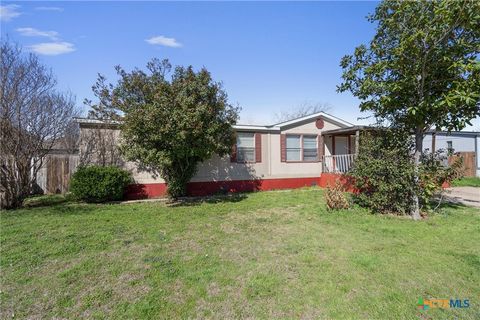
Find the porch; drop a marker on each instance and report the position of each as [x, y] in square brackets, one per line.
[340, 147]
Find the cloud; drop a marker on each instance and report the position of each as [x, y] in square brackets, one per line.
[58, 9]
[52, 48]
[9, 12]
[164, 41]
[32, 32]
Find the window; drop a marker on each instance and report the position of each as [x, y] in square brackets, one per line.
[310, 149]
[246, 147]
[301, 148]
[449, 148]
[293, 148]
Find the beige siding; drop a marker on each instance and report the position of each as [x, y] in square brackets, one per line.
[310, 127]
[271, 167]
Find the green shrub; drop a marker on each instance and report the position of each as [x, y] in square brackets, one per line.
[433, 174]
[99, 184]
[384, 173]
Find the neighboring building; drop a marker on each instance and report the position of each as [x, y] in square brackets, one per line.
[466, 143]
[285, 155]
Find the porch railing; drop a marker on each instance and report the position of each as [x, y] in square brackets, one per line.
[340, 163]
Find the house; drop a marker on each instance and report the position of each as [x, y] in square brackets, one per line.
[463, 143]
[285, 155]
[307, 151]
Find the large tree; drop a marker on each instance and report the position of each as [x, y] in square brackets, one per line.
[34, 117]
[170, 121]
[421, 69]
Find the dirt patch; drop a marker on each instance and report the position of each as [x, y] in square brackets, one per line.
[213, 289]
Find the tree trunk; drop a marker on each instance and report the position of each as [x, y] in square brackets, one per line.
[418, 152]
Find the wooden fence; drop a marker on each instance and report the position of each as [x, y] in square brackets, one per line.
[469, 162]
[55, 174]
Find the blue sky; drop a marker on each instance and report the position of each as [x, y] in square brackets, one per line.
[270, 56]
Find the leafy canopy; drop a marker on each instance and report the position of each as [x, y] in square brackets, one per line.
[169, 124]
[421, 70]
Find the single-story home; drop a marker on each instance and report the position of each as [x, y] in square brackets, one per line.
[285, 155]
[307, 151]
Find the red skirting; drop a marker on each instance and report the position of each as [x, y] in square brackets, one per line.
[144, 191]
[329, 179]
[154, 190]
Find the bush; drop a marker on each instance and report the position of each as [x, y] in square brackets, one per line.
[335, 197]
[434, 174]
[99, 184]
[384, 173]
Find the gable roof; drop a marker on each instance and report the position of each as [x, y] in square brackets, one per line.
[313, 116]
[246, 127]
[249, 127]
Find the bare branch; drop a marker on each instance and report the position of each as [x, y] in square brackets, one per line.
[304, 109]
[34, 116]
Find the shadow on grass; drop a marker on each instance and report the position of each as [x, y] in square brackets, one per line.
[450, 205]
[195, 201]
[46, 200]
[447, 202]
[55, 204]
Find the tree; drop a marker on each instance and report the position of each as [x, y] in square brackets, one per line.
[71, 136]
[99, 146]
[304, 109]
[421, 69]
[33, 117]
[169, 124]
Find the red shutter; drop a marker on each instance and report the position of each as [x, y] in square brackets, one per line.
[233, 155]
[283, 147]
[320, 147]
[258, 147]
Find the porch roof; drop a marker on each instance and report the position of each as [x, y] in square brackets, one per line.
[346, 131]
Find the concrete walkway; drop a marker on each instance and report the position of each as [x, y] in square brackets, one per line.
[469, 196]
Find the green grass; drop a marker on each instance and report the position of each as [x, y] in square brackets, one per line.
[467, 182]
[261, 255]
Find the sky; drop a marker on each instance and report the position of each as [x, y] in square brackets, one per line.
[270, 56]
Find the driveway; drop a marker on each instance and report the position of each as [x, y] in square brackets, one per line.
[468, 196]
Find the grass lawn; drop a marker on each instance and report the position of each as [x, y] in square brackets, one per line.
[260, 255]
[467, 182]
